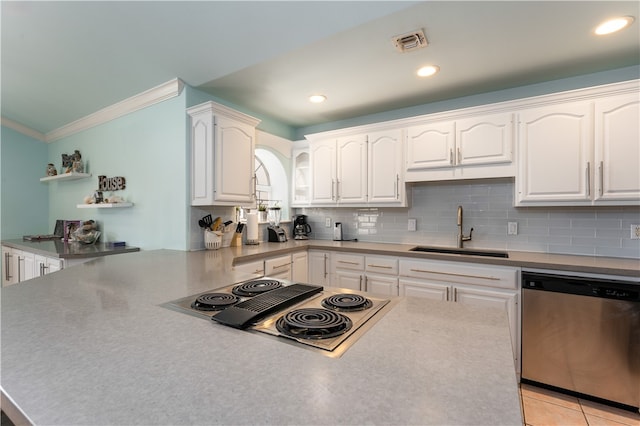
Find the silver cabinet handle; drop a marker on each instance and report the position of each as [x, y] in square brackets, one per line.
[588, 179]
[347, 262]
[7, 264]
[20, 259]
[282, 266]
[397, 186]
[601, 173]
[255, 187]
[457, 275]
[325, 266]
[333, 182]
[337, 189]
[451, 156]
[360, 285]
[447, 293]
[459, 156]
[380, 266]
[455, 294]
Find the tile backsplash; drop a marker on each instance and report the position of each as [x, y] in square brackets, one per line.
[488, 208]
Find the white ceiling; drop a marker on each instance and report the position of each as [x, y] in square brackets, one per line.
[64, 60]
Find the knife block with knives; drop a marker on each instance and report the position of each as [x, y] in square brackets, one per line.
[236, 241]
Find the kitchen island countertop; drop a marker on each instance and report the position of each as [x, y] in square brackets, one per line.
[93, 345]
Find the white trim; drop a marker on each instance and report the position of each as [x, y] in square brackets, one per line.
[23, 129]
[214, 108]
[142, 100]
[630, 86]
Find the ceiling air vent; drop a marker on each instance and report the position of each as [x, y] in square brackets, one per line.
[410, 41]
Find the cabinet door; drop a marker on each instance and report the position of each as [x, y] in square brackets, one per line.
[348, 279]
[9, 266]
[430, 146]
[300, 272]
[234, 161]
[385, 285]
[421, 288]
[617, 148]
[278, 267]
[484, 140]
[319, 264]
[323, 172]
[555, 152]
[351, 173]
[202, 159]
[385, 160]
[26, 265]
[493, 299]
[54, 265]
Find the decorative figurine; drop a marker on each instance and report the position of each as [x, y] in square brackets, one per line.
[51, 170]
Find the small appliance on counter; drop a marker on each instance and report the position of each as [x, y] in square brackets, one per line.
[337, 231]
[276, 233]
[301, 229]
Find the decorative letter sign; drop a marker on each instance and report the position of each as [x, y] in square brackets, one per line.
[111, 184]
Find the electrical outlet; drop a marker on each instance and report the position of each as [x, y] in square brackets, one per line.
[635, 232]
[327, 222]
[512, 228]
[411, 225]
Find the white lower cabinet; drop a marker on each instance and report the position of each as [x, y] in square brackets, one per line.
[373, 274]
[256, 267]
[478, 285]
[319, 268]
[278, 267]
[21, 265]
[300, 265]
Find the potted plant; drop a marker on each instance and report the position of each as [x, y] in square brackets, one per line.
[262, 212]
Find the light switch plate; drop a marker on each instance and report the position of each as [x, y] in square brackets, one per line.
[412, 224]
[512, 228]
[327, 222]
[635, 232]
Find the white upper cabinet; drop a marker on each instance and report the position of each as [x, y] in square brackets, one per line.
[323, 172]
[617, 148]
[430, 146]
[580, 153]
[385, 168]
[300, 178]
[222, 156]
[484, 140]
[480, 146]
[555, 152]
[351, 170]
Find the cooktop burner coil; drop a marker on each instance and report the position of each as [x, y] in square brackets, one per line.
[214, 301]
[346, 302]
[313, 323]
[255, 287]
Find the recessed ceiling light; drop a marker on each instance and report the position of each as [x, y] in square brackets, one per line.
[613, 25]
[428, 70]
[317, 99]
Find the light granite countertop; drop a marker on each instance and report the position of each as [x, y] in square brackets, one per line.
[92, 345]
[526, 260]
[67, 250]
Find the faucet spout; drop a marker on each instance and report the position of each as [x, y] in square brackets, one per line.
[461, 237]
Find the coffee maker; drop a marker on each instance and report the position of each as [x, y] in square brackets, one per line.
[301, 228]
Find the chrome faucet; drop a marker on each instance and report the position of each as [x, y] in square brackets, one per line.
[461, 237]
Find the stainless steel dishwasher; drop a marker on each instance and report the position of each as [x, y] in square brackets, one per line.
[582, 335]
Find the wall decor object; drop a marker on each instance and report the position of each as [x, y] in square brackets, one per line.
[73, 162]
[51, 170]
[70, 227]
[111, 184]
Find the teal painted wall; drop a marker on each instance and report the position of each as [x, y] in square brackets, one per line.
[148, 148]
[24, 200]
[579, 82]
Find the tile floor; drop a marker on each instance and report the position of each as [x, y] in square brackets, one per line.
[543, 407]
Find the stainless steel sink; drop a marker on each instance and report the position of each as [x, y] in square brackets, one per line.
[463, 251]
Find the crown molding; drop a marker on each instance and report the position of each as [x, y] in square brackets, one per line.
[168, 90]
[23, 129]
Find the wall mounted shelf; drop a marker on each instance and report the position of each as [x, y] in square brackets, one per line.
[104, 205]
[66, 176]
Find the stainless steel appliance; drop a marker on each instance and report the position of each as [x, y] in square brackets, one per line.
[301, 229]
[325, 320]
[337, 232]
[582, 335]
[276, 233]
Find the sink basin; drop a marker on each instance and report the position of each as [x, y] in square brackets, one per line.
[467, 252]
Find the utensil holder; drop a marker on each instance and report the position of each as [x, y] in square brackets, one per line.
[212, 239]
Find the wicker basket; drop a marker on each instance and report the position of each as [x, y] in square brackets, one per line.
[212, 239]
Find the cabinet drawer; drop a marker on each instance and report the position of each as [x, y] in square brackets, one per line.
[348, 261]
[381, 265]
[462, 273]
[277, 265]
